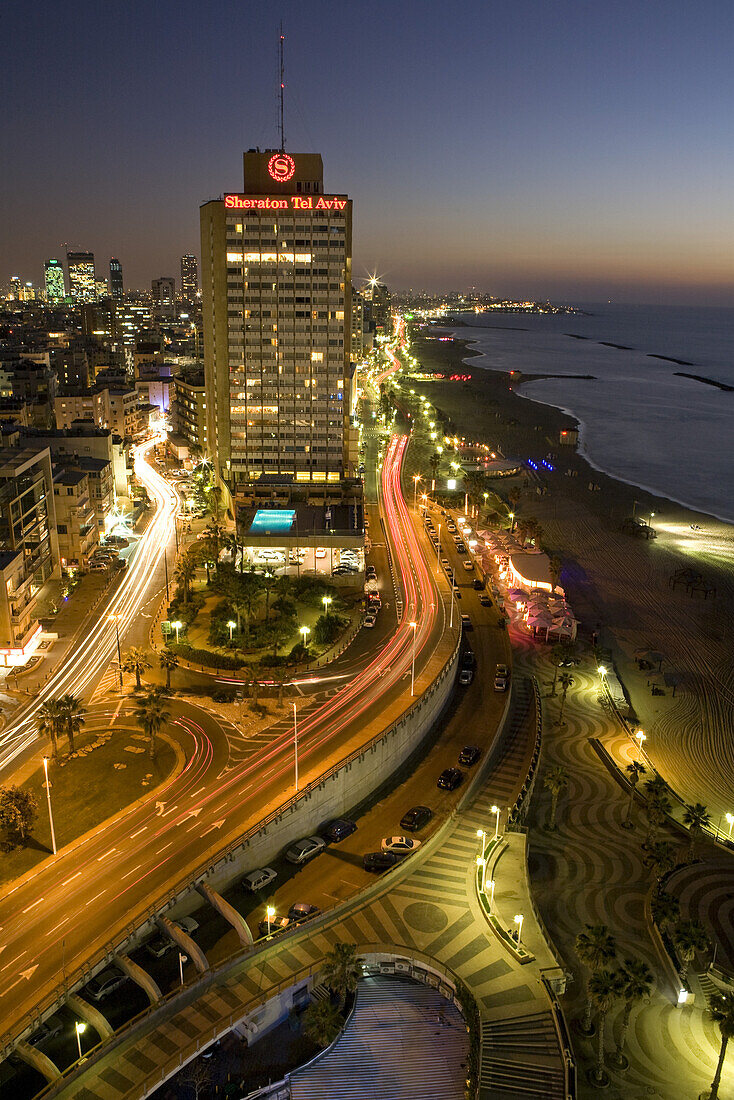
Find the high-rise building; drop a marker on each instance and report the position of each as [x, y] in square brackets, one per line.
[276, 288]
[82, 286]
[53, 276]
[378, 305]
[102, 291]
[116, 289]
[189, 278]
[164, 296]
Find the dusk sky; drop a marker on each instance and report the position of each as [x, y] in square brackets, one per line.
[575, 150]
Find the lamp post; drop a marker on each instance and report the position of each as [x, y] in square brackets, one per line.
[181, 960]
[416, 479]
[326, 600]
[231, 624]
[491, 894]
[483, 836]
[177, 626]
[518, 922]
[412, 665]
[482, 864]
[730, 822]
[117, 636]
[438, 550]
[79, 1027]
[269, 914]
[295, 741]
[512, 522]
[304, 631]
[640, 737]
[165, 564]
[496, 811]
[50, 814]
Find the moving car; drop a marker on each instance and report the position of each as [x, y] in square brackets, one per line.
[161, 944]
[469, 566]
[258, 880]
[305, 849]
[466, 675]
[379, 861]
[339, 830]
[302, 911]
[501, 677]
[478, 584]
[401, 845]
[461, 547]
[449, 779]
[469, 755]
[374, 603]
[485, 601]
[466, 622]
[416, 818]
[370, 620]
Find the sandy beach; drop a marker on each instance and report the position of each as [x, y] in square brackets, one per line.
[616, 583]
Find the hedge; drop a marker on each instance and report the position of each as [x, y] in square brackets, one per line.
[205, 656]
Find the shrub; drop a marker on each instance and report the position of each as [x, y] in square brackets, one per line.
[327, 628]
[206, 657]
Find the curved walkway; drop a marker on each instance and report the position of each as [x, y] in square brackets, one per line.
[404, 1041]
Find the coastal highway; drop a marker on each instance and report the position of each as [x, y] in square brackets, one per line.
[97, 646]
[87, 896]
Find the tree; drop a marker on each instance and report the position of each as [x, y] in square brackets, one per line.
[561, 651]
[50, 724]
[322, 1022]
[604, 988]
[73, 714]
[269, 582]
[657, 808]
[555, 781]
[197, 1075]
[184, 574]
[666, 910]
[565, 681]
[722, 1011]
[137, 661]
[434, 462]
[636, 980]
[634, 770]
[151, 714]
[697, 818]
[595, 947]
[168, 662]
[660, 858]
[690, 937]
[342, 970]
[18, 812]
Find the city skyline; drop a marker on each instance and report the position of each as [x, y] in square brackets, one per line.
[566, 153]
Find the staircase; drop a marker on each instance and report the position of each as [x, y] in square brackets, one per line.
[519, 1057]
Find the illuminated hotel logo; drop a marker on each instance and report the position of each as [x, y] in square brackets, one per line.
[281, 167]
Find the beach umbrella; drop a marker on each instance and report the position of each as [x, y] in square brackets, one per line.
[518, 594]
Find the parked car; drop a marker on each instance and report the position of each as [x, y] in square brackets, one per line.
[401, 845]
[478, 584]
[485, 601]
[51, 1027]
[339, 830]
[379, 861]
[374, 603]
[416, 818]
[275, 927]
[501, 678]
[450, 779]
[104, 983]
[161, 944]
[302, 911]
[370, 620]
[304, 850]
[466, 622]
[258, 880]
[461, 548]
[466, 675]
[469, 566]
[98, 566]
[469, 755]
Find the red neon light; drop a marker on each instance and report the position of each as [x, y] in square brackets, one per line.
[281, 167]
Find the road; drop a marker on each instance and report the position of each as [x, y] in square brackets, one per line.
[88, 896]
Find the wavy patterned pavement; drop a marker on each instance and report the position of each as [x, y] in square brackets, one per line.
[591, 871]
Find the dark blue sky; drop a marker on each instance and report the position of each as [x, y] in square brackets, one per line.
[571, 149]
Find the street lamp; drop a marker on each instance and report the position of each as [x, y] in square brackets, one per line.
[482, 863]
[481, 833]
[438, 550]
[304, 631]
[512, 522]
[269, 913]
[181, 960]
[51, 816]
[640, 737]
[496, 811]
[412, 666]
[490, 884]
[231, 624]
[730, 822]
[114, 618]
[518, 922]
[326, 600]
[177, 626]
[416, 479]
[79, 1027]
[295, 740]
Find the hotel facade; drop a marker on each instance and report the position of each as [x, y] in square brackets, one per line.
[276, 286]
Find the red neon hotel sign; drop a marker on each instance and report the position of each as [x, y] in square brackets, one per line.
[289, 202]
[281, 167]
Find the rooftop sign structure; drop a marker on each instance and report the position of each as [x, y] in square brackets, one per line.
[272, 521]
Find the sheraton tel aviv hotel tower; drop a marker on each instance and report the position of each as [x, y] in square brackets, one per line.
[276, 279]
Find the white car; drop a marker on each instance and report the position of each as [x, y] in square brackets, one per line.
[258, 880]
[305, 849]
[469, 566]
[400, 845]
[370, 620]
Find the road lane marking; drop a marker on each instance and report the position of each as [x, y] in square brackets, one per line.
[100, 858]
[99, 895]
[128, 873]
[164, 848]
[35, 903]
[71, 879]
[56, 928]
[139, 832]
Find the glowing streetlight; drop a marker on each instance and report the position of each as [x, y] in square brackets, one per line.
[51, 816]
[730, 822]
[483, 836]
[496, 811]
[181, 960]
[79, 1027]
[518, 922]
[640, 737]
[490, 884]
[438, 550]
[231, 624]
[416, 479]
[177, 626]
[412, 666]
[482, 864]
[326, 600]
[304, 631]
[269, 914]
[512, 522]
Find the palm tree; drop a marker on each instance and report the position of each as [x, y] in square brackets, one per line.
[722, 1010]
[561, 651]
[565, 680]
[72, 713]
[637, 982]
[697, 818]
[604, 988]
[342, 970]
[137, 661]
[168, 661]
[634, 771]
[151, 714]
[50, 723]
[434, 462]
[322, 1022]
[666, 910]
[555, 781]
[660, 858]
[184, 575]
[690, 937]
[595, 947]
[268, 581]
[657, 808]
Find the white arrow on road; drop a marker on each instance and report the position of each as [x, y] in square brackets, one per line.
[191, 813]
[27, 974]
[216, 825]
[159, 808]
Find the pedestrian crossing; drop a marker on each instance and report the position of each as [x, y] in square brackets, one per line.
[109, 682]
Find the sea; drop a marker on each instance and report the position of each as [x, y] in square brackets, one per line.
[640, 420]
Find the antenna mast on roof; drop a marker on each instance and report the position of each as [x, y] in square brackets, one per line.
[282, 87]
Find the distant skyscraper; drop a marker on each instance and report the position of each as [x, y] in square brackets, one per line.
[53, 275]
[101, 288]
[116, 289]
[189, 278]
[82, 286]
[164, 296]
